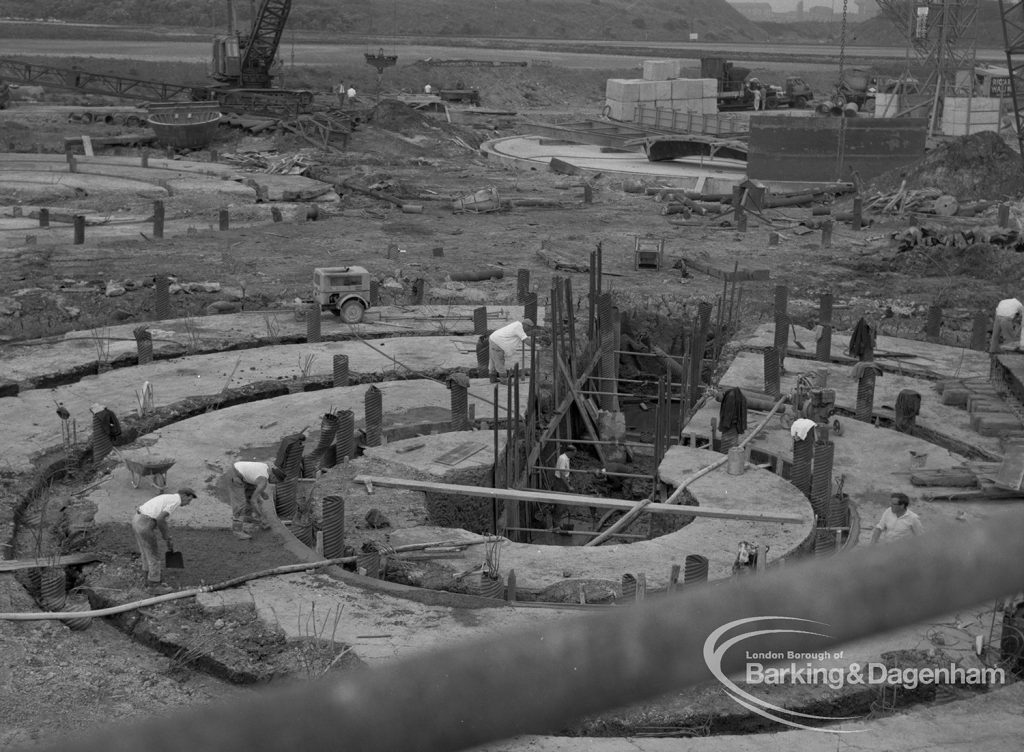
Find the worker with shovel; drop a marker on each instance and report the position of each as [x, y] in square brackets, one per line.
[150, 518]
[246, 484]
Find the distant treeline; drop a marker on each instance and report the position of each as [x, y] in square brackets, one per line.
[626, 20]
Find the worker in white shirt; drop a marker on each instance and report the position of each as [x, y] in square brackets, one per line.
[246, 484]
[428, 90]
[562, 467]
[504, 346]
[150, 518]
[1007, 327]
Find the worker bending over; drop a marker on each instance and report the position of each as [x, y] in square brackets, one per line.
[246, 484]
[1007, 327]
[504, 346]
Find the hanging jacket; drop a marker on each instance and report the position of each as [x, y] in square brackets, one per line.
[862, 341]
[733, 411]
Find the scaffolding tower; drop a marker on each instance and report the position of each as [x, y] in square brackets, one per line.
[942, 37]
[1012, 15]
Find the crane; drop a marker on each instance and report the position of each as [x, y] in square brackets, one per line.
[242, 69]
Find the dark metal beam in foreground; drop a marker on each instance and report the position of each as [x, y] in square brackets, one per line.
[538, 680]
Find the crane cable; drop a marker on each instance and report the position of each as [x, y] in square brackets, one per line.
[841, 144]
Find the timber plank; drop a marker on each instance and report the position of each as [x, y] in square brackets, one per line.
[12, 565]
[511, 494]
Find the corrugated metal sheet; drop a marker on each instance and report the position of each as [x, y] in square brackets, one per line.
[808, 149]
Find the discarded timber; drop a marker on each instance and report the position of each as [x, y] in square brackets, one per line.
[12, 565]
[981, 494]
[956, 477]
[561, 263]
[375, 194]
[549, 497]
[547, 203]
[739, 275]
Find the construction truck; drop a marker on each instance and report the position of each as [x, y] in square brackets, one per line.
[858, 86]
[244, 68]
[796, 93]
[736, 86]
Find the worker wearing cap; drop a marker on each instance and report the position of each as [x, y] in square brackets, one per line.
[246, 484]
[504, 345]
[1007, 326]
[150, 518]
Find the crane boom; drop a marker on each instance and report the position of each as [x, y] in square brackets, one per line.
[260, 49]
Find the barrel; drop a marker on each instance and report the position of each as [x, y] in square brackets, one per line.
[737, 461]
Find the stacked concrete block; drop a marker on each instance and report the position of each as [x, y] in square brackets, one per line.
[962, 116]
[990, 415]
[623, 96]
[659, 70]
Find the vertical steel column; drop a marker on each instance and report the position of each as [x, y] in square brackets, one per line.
[604, 321]
[480, 321]
[101, 445]
[285, 492]
[496, 478]
[483, 356]
[530, 307]
[555, 313]
[334, 526]
[866, 394]
[823, 351]
[781, 324]
[522, 285]
[800, 473]
[162, 295]
[373, 415]
[459, 407]
[143, 344]
[313, 323]
[158, 219]
[979, 331]
[328, 429]
[340, 370]
[933, 326]
[772, 378]
[344, 436]
[821, 477]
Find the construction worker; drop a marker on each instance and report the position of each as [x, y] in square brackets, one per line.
[246, 485]
[1007, 326]
[504, 346]
[150, 518]
[428, 90]
[341, 91]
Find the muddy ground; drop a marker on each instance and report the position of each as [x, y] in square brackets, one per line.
[53, 680]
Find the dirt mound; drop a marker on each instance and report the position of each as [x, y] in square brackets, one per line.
[976, 167]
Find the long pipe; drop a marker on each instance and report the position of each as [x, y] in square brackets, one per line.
[459, 696]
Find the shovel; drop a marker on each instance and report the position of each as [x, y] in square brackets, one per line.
[173, 559]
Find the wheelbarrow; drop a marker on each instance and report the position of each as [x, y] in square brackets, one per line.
[154, 468]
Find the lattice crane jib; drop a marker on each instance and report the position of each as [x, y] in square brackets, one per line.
[941, 35]
[1012, 16]
[260, 48]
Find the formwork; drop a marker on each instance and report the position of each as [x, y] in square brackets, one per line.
[831, 148]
